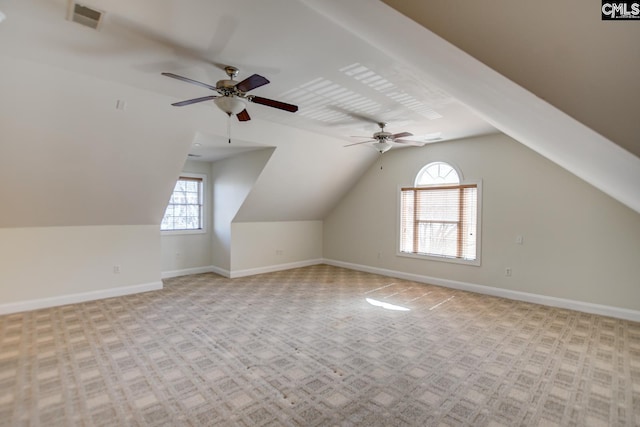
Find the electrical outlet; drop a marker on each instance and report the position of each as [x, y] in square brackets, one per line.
[116, 269]
[507, 271]
[519, 240]
[279, 252]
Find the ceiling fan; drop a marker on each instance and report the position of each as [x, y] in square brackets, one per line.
[383, 140]
[231, 94]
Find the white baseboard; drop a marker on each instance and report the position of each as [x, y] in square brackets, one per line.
[35, 304]
[272, 268]
[188, 271]
[232, 274]
[586, 307]
[604, 310]
[196, 270]
[220, 271]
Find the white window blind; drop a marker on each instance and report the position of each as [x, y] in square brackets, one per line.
[439, 221]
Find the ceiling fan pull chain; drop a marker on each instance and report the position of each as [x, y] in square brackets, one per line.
[229, 127]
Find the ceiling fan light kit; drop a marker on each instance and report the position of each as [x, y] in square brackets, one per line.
[381, 146]
[229, 104]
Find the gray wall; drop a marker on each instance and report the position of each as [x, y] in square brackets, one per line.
[579, 243]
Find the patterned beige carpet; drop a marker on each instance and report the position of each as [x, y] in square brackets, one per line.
[316, 346]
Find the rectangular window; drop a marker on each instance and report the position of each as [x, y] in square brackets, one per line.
[440, 221]
[186, 206]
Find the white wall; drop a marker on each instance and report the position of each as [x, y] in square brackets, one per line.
[45, 266]
[83, 184]
[249, 247]
[185, 253]
[579, 244]
[231, 181]
[75, 160]
[263, 246]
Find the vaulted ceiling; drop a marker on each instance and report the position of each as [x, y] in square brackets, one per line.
[79, 102]
[561, 51]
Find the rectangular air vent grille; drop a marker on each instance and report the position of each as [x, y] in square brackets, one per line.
[84, 15]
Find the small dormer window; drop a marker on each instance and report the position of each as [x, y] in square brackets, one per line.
[185, 211]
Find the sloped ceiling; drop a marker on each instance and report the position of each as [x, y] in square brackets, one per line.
[62, 82]
[561, 51]
[510, 108]
[346, 64]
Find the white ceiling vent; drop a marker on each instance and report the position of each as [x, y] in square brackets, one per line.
[84, 15]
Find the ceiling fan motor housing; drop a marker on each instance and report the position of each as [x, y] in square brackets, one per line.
[382, 136]
[226, 86]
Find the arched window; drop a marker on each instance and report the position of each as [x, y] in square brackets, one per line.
[437, 173]
[439, 215]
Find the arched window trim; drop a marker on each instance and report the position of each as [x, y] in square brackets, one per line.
[423, 170]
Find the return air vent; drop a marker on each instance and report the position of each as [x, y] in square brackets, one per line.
[84, 15]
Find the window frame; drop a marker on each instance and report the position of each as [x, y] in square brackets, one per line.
[474, 262]
[203, 211]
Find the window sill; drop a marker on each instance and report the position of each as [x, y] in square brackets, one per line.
[473, 262]
[182, 232]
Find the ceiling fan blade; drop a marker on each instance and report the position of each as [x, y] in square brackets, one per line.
[409, 142]
[401, 135]
[358, 143]
[251, 83]
[224, 30]
[243, 116]
[193, 101]
[188, 80]
[353, 115]
[275, 104]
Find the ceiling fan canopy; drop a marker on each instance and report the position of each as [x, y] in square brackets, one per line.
[232, 95]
